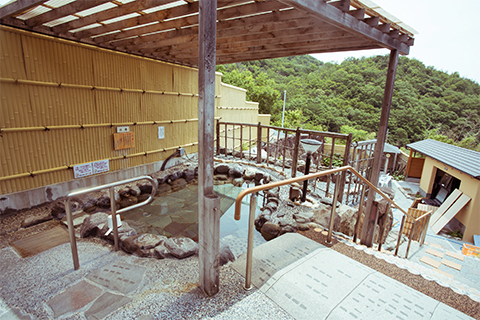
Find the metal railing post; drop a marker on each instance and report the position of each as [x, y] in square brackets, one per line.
[259, 142]
[113, 208]
[334, 209]
[360, 210]
[400, 235]
[71, 232]
[251, 227]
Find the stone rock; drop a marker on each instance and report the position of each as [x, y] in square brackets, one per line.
[222, 168]
[178, 184]
[287, 229]
[238, 182]
[236, 171]
[189, 174]
[58, 208]
[128, 201]
[143, 197]
[303, 217]
[321, 215]
[161, 252]
[93, 224]
[142, 244]
[163, 178]
[90, 205]
[225, 254]
[221, 177]
[294, 194]
[347, 220]
[303, 226]
[163, 188]
[124, 231]
[258, 176]
[31, 221]
[103, 202]
[145, 188]
[181, 247]
[272, 204]
[249, 173]
[261, 219]
[270, 230]
[176, 175]
[267, 178]
[272, 194]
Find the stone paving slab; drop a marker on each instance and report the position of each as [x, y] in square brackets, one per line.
[106, 304]
[123, 278]
[275, 255]
[324, 284]
[74, 298]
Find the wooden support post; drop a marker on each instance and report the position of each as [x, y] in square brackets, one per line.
[259, 143]
[296, 145]
[371, 217]
[208, 203]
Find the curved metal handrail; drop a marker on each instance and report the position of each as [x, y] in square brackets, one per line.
[254, 190]
[111, 186]
[275, 184]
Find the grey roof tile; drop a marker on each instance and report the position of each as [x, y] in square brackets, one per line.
[464, 160]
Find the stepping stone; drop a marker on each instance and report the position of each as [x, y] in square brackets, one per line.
[123, 278]
[454, 255]
[434, 253]
[106, 304]
[74, 298]
[452, 264]
[430, 262]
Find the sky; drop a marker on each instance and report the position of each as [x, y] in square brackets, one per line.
[447, 36]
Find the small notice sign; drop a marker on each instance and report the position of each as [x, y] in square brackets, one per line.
[82, 170]
[101, 166]
[124, 140]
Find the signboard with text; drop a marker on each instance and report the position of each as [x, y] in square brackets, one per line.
[101, 166]
[82, 170]
[124, 140]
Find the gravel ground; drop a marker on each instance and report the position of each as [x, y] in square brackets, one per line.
[430, 288]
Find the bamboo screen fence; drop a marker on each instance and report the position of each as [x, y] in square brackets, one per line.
[61, 103]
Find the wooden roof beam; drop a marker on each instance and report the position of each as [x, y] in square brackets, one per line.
[223, 14]
[64, 11]
[108, 14]
[18, 7]
[321, 10]
[137, 21]
[372, 21]
[359, 13]
[343, 5]
[385, 28]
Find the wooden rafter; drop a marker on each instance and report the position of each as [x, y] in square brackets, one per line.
[168, 30]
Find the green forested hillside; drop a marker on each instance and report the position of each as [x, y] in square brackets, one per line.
[347, 97]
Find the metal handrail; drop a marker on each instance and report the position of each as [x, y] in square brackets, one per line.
[71, 230]
[275, 184]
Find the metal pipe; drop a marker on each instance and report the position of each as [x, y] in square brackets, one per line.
[305, 182]
[71, 233]
[360, 209]
[71, 230]
[251, 227]
[334, 209]
[400, 235]
[113, 208]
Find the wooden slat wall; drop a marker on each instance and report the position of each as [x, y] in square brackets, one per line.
[46, 61]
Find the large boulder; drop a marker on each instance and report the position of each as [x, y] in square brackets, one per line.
[249, 173]
[222, 168]
[321, 216]
[348, 219]
[225, 254]
[235, 171]
[142, 244]
[93, 224]
[270, 230]
[181, 247]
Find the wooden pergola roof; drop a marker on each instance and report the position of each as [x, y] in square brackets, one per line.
[246, 30]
